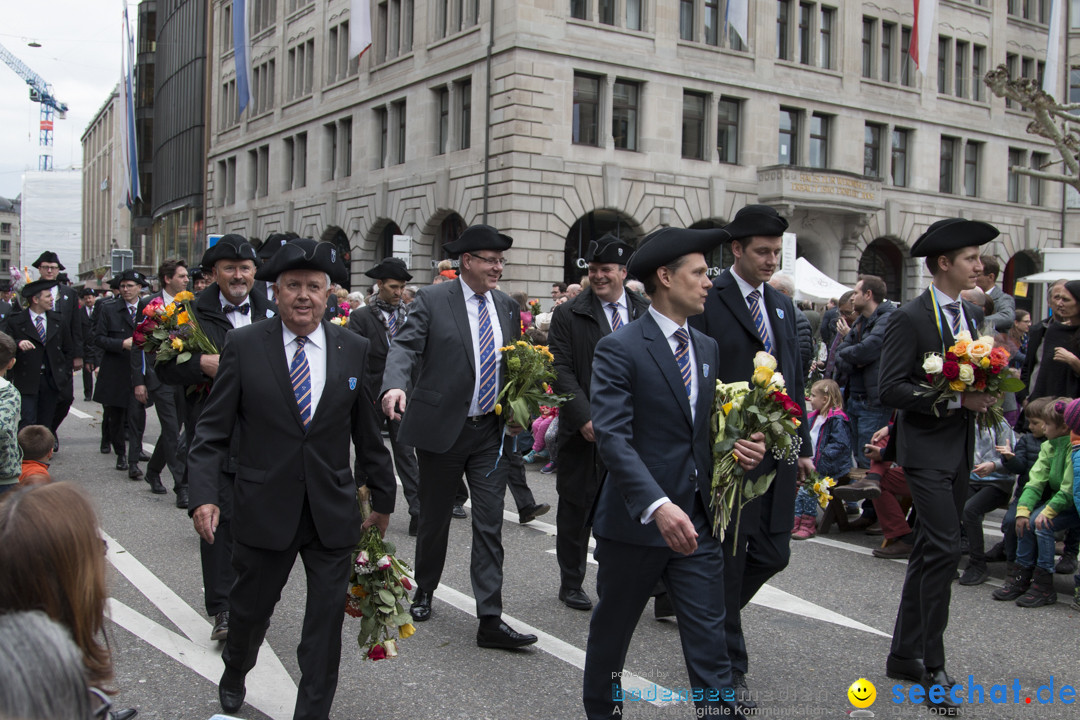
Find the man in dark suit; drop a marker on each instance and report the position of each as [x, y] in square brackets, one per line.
[265, 251]
[44, 348]
[652, 393]
[452, 342]
[380, 322]
[576, 327]
[66, 303]
[87, 298]
[116, 320]
[1004, 304]
[224, 304]
[935, 443]
[6, 307]
[166, 399]
[290, 392]
[744, 314]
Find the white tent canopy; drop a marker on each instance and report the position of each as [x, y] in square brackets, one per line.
[813, 285]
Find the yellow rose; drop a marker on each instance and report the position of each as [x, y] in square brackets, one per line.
[958, 385]
[406, 630]
[178, 344]
[498, 409]
[727, 408]
[184, 295]
[170, 309]
[764, 359]
[762, 375]
[984, 363]
[981, 348]
[182, 318]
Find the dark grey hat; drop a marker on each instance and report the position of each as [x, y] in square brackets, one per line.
[952, 234]
[390, 268]
[48, 256]
[609, 249]
[754, 221]
[87, 292]
[229, 247]
[273, 243]
[131, 276]
[478, 237]
[305, 254]
[660, 247]
[33, 288]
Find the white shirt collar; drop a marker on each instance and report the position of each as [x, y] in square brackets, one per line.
[469, 292]
[621, 302]
[166, 297]
[316, 338]
[225, 301]
[746, 288]
[942, 298]
[667, 325]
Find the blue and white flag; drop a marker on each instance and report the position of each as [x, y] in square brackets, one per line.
[241, 53]
[128, 144]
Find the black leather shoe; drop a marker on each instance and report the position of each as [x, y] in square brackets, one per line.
[105, 449]
[946, 706]
[575, 598]
[56, 449]
[459, 512]
[221, 630]
[662, 607]
[421, 605]
[134, 472]
[123, 714]
[155, 484]
[414, 524]
[743, 697]
[182, 498]
[121, 463]
[532, 512]
[231, 690]
[502, 637]
[898, 668]
[144, 456]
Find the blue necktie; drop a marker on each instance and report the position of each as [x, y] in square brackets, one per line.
[391, 325]
[682, 357]
[300, 375]
[954, 317]
[758, 314]
[486, 397]
[39, 323]
[616, 316]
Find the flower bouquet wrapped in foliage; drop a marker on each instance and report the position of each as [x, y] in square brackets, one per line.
[820, 488]
[740, 410]
[529, 375]
[171, 331]
[534, 307]
[378, 595]
[971, 366]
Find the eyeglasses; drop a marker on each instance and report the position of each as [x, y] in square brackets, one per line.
[100, 702]
[48, 266]
[490, 261]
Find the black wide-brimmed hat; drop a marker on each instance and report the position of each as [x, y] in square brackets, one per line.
[390, 268]
[87, 292]
[131, 276]
[305, 254]
[229, 247]
[478, 237]
[609, 249]
[48, 256]
[33, 288]
[660, 247]
[755, 221]
[952, 234]
[273, 243]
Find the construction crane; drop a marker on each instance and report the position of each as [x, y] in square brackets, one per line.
[41, 93]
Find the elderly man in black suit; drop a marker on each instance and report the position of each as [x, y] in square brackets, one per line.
[44, 349]
[652, 394]
[745, 315]
[225, 304]
[452, 341]
[380, 322]
[935, 444]
[290, 392]
[66, 304]
[576, 326]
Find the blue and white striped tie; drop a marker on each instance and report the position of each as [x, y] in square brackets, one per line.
[486, 397]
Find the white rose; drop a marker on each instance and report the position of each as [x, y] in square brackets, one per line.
[764, 359]
[778, 380]
[967, 374]
[933, 364]
[963, 336]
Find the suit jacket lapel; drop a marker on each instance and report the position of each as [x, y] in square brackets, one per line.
[730, 295]
[461, 317]
[333, 369]
[377, 319]
[599, 313]
[772, 302]
[665, 360]
[507, 313]
[279, 364]
[706, 375]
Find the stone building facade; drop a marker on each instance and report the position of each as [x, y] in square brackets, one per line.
[9, 238]
[106, 222]
[558, 120]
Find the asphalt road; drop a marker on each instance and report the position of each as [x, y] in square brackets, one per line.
[819, 626]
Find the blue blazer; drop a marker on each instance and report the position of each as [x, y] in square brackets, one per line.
[644, 432]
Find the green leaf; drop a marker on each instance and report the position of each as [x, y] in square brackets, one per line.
[387, 597]
[183, 357]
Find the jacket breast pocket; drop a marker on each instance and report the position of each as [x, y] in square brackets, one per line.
[659, 472]
[428, 397]
[246, 474]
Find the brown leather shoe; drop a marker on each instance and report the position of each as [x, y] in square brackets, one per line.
[866, 489]
[896, 550]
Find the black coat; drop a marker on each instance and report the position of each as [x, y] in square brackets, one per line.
[860, 359]
[91, 353]
[58, 350]
[806, 338]
[67, 304]
[112, 326]
[367, 322]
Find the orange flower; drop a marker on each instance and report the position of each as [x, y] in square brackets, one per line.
[183, 318]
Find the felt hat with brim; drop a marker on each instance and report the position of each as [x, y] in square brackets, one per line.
[952, 234]
[478, 237]
[662, 246]
[390, 268]
[273, 243]
[87, 292]
[229, 247]
[305, 254]
[33, 288]
[609, 249]
[131, 276]
[756, 221]
[50, 257]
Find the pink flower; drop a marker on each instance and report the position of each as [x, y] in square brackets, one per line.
[362, 559]
[377, 652]
[405, 583]
[383, 563]
[153, 307]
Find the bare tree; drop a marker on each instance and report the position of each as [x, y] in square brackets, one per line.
[1052, 120]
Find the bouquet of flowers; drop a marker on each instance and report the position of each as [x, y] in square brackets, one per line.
[534, 307]
[378, 595]
[340, 320]
[970, 365]
[171, 331]
[740, 410]
[529, 376]
[820, 488]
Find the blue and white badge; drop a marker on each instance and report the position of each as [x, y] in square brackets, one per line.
[779, 313]
[705, 369]
[352, 383]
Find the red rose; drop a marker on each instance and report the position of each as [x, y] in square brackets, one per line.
[951, 370]
[377, 652]
[138, 338]
[787, 403]
[405, 583]
[951, 357]
[979, 385]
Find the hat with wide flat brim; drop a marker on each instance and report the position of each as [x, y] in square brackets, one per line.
[756, 221]
[33, 288]
[953, 234]
[478, 237]
[273, 243]
[665, 245]
[305, 254]
[390, 268]
[609, 249]
[131, 276]
[48, 256]
[229, 247]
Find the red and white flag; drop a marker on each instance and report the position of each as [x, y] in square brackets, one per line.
[359, 27]
[922, 32]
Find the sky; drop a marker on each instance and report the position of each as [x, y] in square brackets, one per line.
[79, 56]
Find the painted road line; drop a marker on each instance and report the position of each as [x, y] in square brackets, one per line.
[79, 413]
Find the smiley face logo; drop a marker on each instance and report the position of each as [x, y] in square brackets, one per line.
[862, 693]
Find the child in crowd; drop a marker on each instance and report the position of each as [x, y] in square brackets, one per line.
[990, 486]
[1047, 498]
[830, 433]
[10, 410]
[539, 431]
[1020, 459]
[36, 442]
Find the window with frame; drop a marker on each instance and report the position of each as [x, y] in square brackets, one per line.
[783, 29]
[1012, 64]
[960, 54]
[907, 64]
[1074, 85]
[825, 37]
[579, 9]
[465, 114]
[262, 88]
[295, 162]
[943, 48]
[713, 14]
[226, 28]
[228, 116]
[1035, 184]
[888, 38]
[399, 113]
[5, 228]
[635, 11]
[978, 68]
[586, 109]
[693, 125]
[1016, 159]
[686, 20]
[263, 15]
[382, 128]
[788, 153]
[394, 29]
[606, 11]
[295, 5]
[624, 114]
[806, 28]
[339, 65]
[301, 59]
[444, 120]
[901, 140]
[263, 172]
[872, 136]
[971, 168]
[337, 149]
[453, 16]
[947, 165]
[819, 140]
[252, 173]
[869, 26]
[727, 130]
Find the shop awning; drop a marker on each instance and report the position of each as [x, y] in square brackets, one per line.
[1051, 276]
[813, 285]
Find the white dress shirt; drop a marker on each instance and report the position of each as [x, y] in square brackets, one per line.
[745, 289]
[239, 319]
[44, 320]
[669, 327]
[166, 297]
[942, 301]
[624, 311]
[315, 350]
[472, 308]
